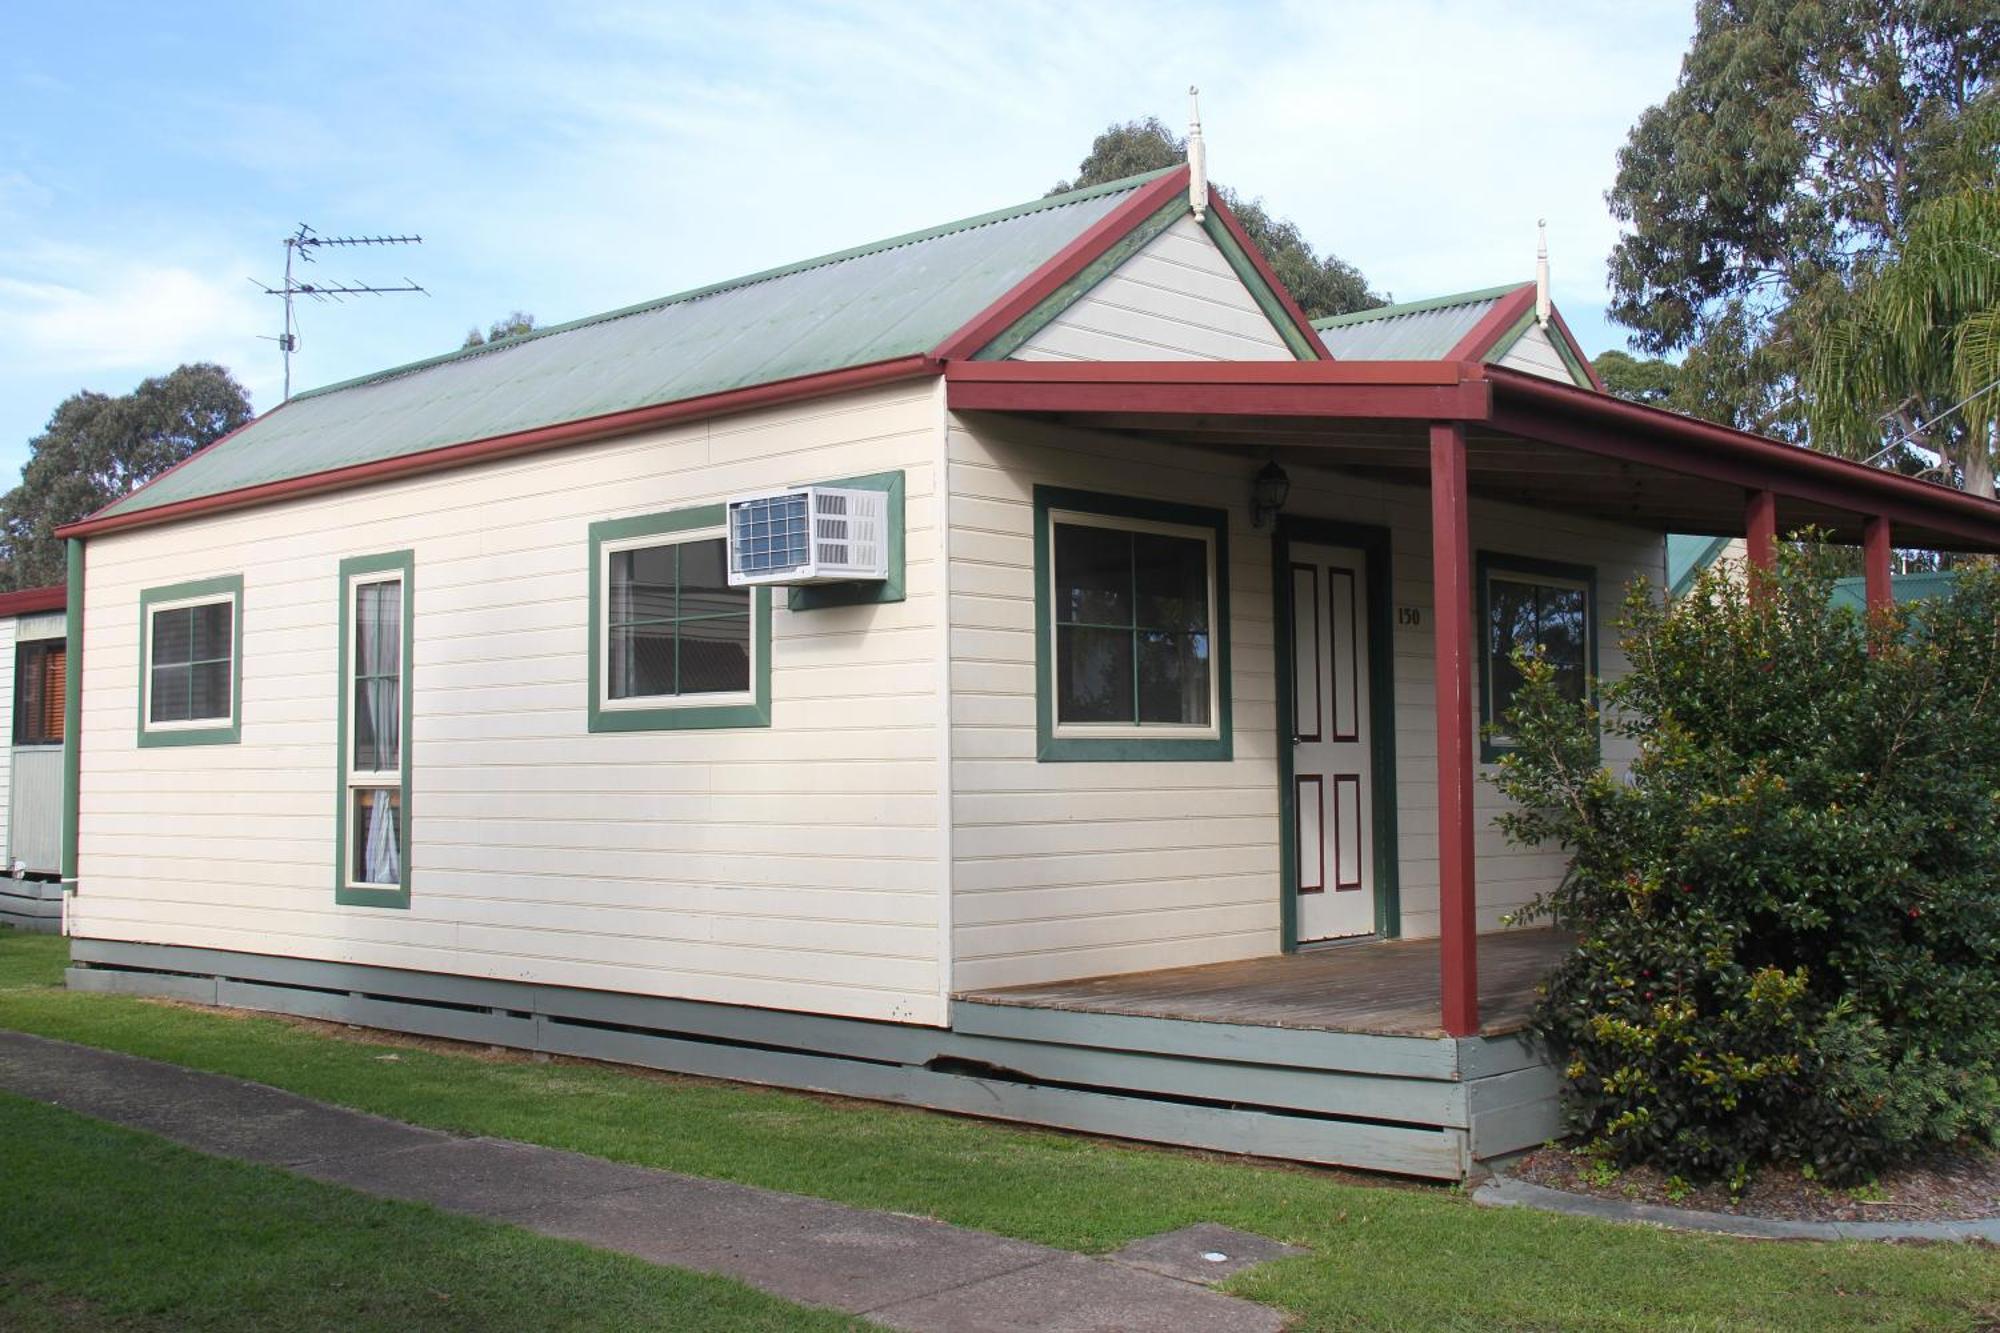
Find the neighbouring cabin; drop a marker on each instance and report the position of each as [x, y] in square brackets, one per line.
[1048, 683]
[33, 662]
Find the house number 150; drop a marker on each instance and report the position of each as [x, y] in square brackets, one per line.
[1409, 615]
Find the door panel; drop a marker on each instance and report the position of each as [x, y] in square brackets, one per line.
[1332, 761]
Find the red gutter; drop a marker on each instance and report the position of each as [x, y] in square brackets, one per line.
[1506, 312]
[518, 442]
[1065, 264]
[1265, 271]
[1612, 427]
[28, 601]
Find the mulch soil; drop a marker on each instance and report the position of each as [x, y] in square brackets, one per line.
[1962, 1186]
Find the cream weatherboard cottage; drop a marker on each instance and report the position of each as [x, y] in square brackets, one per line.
[33, 658]
[1139, 796]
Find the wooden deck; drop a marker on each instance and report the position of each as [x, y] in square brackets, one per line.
[1388, 987]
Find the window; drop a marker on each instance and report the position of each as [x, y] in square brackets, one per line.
[372, 823]
[671, 643]
[190, 682]
[1131, 615]
[1540, 606]
[39, 675]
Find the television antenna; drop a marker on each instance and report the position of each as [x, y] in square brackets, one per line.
[299, 248]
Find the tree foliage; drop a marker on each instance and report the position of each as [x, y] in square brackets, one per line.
[1924, 329]
[96, 448]
[1649, 380]
[1798, 142]
[1786, 914]
[516, 323]
[1323, 284]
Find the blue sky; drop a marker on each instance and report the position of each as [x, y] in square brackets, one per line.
[571, 158]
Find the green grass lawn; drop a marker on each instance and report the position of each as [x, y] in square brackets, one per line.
[103, 1228]
[1384, 1257]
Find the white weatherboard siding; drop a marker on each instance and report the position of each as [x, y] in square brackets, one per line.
[798, 866]
[1078, 869]
[1535, 353]
[1177, 299]
[9, 634]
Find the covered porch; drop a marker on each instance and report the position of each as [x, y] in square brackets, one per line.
[1455, 432]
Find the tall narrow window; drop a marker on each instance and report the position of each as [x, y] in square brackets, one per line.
[39, 676]
[190, 672]
[374, 833]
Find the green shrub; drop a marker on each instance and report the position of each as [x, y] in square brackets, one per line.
[1788, 913]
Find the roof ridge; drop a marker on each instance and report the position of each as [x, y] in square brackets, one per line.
[1415, 307]
[972, 223]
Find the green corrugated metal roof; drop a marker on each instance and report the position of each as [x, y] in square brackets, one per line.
[1905, 587]
[1410, 331]
[1687, 556]
[895, 298]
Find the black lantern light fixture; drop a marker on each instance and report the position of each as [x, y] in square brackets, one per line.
[1268, 494]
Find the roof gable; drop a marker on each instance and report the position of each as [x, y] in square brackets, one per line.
[895, 298]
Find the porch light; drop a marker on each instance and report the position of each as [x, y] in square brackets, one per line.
[1268, 494]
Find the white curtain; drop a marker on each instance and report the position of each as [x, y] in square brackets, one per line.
[379, 611]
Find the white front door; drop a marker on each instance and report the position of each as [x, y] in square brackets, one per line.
[1333, 781]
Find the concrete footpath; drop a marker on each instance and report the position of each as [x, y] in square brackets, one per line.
[902, 1272]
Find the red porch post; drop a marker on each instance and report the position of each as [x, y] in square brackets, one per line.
[1876, 552]
[1760, 519]
[1451, 571]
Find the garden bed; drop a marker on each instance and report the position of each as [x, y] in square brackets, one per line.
[1955, 1187]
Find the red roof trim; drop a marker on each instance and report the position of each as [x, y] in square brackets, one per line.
[1604, 424]
[1506, 312]
[1065, 264]
[519, 442]
[29, 601]
[1377, 390]
[1576, 349]
[1267, 273]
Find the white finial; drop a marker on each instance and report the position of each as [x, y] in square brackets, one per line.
[1197, 157]
[1542, 272]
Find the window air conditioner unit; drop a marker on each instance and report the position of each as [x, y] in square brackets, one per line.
[809, 534]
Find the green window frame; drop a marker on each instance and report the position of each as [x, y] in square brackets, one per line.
[750, 707]
[1542, 576]
[176, 597]
[352, 889]
[1139, 741]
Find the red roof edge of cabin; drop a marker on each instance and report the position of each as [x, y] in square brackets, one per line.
[1493, 325]
[30, 601]
[1255, 253]
[67, 529]
[1060, 267]
[518, 442]
[1576, 348]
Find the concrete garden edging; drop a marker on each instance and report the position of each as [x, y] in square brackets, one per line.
[1502, 1192]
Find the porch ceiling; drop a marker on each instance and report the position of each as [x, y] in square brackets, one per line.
[1529, 441]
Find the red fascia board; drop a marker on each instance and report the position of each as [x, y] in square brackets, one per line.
[1213, 372]
[519, 442]
[1535, 408]
[1382, 390]
[29, 601]
[1265, 271]
[1506, 312]
[1059, 268]
[1576, 349]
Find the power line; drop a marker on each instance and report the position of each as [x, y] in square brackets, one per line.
[299, 246]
